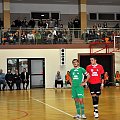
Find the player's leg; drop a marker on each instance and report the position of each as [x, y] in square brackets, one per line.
[74, 96]
[80, 95]
[95, 92]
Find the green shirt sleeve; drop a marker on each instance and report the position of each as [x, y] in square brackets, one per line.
[83, 70]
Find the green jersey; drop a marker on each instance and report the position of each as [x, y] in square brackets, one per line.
[76, 75]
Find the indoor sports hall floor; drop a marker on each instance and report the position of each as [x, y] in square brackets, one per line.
[51, 104]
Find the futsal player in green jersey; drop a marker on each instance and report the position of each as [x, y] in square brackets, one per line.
[77, 75]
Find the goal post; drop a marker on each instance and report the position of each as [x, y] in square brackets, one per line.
[116, 44]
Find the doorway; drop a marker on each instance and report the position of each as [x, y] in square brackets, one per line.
[34, 66]
[106, 60]
[37, 72]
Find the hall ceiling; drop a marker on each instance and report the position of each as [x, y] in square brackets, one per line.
[89, 2]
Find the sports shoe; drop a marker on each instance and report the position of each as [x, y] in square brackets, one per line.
[83, 116]
[77, 116]
[96, 115]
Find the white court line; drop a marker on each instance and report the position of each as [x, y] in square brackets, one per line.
[52, 107]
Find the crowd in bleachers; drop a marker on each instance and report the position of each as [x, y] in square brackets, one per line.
[102, 32]
[37, 36]
[53, 32]
[40, 32]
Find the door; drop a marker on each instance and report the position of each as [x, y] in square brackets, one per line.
[106, 60]
[37, 73]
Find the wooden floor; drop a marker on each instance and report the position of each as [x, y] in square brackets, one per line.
[51, 104]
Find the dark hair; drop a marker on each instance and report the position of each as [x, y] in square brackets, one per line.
[94, 57]
[75, 60]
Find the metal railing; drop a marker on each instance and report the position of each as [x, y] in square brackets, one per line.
[56, 35]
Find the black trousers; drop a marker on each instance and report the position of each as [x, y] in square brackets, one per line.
[10, 84]
[18, 85]
[27, 83]
[58, 82]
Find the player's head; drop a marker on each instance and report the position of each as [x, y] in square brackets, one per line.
[93, 60]
[75, 62]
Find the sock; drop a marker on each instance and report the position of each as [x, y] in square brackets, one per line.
[77, 107]
[97, 99]
[82, 108]
[95, 103]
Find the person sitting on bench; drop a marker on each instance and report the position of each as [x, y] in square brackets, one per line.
[106, 79]
[58, 79]
[67, 79]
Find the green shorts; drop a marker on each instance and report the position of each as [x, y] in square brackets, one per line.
[78, 92]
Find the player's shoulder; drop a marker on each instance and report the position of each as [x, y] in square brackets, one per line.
[72, 69]
[80, 68]
[88, 66]
[99, 65]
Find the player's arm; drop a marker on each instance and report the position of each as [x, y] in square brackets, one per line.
[86, 80]
[102, 77]
[70, 78]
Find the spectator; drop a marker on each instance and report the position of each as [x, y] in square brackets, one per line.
[76, 24]
[31, 23]
[40, 23]
[17, 80]
[58, 79]
[67, 78]
[1, 23]
[105, 25]
[38, 38]
[106, 79]
[117, 77]
[24, 23]
[51, 23]
[23, 37]
[9, 77]
[2, 80]
[70, 26]
[25, 79]
[17, 22]
[30, 38]
[13, 27]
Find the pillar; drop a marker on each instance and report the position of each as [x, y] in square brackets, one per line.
[6, 13]
[83, 14]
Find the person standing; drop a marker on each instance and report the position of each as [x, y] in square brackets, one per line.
[2, 80]
[25, 79]
[76, 75]
[17, 80]
[96, 82]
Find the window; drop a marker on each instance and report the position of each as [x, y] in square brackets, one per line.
[106, 16]
[12, 65]
[55, 16]
[117, 16]
[40, 15]
[15, 63]
[93, 16]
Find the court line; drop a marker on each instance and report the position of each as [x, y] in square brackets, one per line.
[23, 116]
[52, 107]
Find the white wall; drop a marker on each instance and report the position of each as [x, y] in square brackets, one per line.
[0, 7]
[64, 9]
[28, 8]
[52, 60]
[103, 9]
